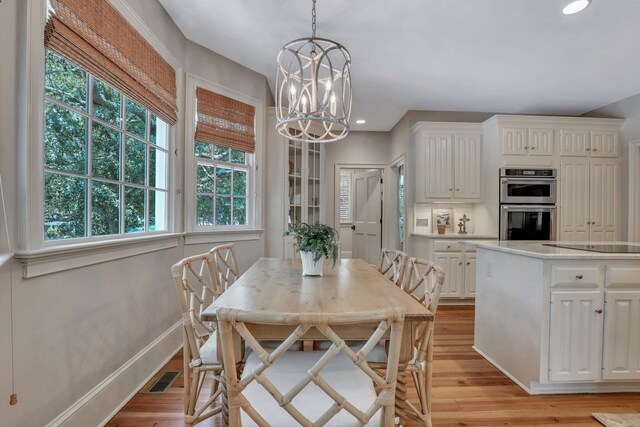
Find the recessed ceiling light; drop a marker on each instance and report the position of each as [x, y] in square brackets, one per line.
[361, 121]
[576, 6]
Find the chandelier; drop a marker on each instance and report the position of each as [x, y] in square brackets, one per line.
[313, 89]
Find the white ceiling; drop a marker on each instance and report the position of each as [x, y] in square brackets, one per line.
[510, 56]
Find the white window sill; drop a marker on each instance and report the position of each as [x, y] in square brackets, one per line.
[221, 236]
[66, 257]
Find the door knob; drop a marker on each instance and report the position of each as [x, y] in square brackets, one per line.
[353, 227]
[579, 276]
[599, 310]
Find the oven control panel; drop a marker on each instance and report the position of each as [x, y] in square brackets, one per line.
[527, 173]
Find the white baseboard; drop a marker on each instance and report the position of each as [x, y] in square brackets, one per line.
[101, 403]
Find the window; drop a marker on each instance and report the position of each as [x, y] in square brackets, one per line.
[345, 198]
[401, 212]
[222, 185]
[105, 158]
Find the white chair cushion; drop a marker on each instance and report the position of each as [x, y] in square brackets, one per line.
[312, 402]
[209, 351]
[377, 355]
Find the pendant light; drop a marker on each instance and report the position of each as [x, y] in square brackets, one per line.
[313, 89]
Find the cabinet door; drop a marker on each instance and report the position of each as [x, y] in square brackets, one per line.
[574, 199]
[454, 273]
[605, 199]
[575, 347]
[514, 141]
[604, 143]
[468, 166]
[541, 142]
[575, 142]
[622, 335]
[470, 276]
[439, 163]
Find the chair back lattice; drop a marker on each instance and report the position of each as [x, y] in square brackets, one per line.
[195, 280]
[224, 259]
[424, 280]
[392, 265]
[238, 320]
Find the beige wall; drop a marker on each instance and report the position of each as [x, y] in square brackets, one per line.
[74, 328]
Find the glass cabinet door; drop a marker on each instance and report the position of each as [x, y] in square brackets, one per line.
[303, 179]
[313, 183]
[294, 178]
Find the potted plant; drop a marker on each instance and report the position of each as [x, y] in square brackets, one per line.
[315, 242]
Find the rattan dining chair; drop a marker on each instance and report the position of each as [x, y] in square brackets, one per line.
[196, 282]
[392, 265]
[335, 387]
[224, 259]
[423, 281]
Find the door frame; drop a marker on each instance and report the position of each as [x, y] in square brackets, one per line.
[634, 191]
[336, 190]
[392, 182]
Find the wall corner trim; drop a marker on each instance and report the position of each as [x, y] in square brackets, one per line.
[104, 401]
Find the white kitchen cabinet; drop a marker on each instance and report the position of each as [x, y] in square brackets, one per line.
[621, 337]
[575, 349]
[449, 163]
[589, 200]
[452, 264]
[525, 141]
[470, 276]
[589, 143]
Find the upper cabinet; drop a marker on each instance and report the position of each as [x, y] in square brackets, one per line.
[589, 143]
[449, 161]
[526, 141]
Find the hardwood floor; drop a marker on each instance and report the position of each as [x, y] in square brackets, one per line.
[468, 391]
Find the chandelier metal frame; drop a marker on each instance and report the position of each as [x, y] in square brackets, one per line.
[313, 89]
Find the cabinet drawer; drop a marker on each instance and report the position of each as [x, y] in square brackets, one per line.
[446, 246]
[570, 275]
[623, 277]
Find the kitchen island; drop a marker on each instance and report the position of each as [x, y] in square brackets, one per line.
[559, 320]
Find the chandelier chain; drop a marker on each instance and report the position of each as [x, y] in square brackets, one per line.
[313, 20]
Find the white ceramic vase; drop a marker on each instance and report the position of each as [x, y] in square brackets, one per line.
[309, 266]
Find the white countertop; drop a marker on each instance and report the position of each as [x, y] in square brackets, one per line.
[536, 249]
[456, 236]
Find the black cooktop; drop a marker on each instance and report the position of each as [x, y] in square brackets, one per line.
[599, 247]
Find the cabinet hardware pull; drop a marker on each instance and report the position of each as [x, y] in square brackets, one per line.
[579, 276]
[587, 149]
[460, 263]
[468, 263]
[457, 189]
[526, 148]
[599, 310]
[595, 149]
[533, 148]
[450, 189]
[448, 246]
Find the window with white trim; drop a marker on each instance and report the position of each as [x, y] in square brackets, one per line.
[345, 198]
[222, 185]
[105, 159]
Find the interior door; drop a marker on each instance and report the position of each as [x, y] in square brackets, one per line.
[367, 216]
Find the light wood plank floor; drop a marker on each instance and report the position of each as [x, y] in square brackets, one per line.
[468, 391]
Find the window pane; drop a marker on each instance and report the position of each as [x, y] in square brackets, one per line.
[105, 152]
[204, 216]
[239, 183]
[64, 206]
[105, 208]
[133, 210]
[136, 119]
[135, 161]
[237, 156]
[65, 139]
[157, 210]
[220, 153]
[223, 180]
[65, 81]
[223, 210]
[240, 211]
[204, 150]
[153, 128]
[107, 103]
[157, 168]
[206, 179]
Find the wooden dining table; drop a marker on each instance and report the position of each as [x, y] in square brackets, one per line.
[277, 286]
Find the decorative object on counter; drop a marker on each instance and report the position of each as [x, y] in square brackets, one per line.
[314, 243]
[313, 89]
[462, 225]
[443, 219]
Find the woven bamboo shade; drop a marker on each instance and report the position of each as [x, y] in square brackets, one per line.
[93, 34]
[225, 121]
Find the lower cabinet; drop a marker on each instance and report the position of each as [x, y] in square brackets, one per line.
[460, 273]
[594, 332]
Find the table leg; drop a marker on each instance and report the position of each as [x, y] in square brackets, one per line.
[225, 399]
[401, 393]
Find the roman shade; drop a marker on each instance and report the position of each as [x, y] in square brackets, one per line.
[225, 121]
[93, 34]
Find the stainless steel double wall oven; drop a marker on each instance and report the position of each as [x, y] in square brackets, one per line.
[528, 204]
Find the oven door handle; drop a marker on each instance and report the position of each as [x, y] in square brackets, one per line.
[529, 208]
